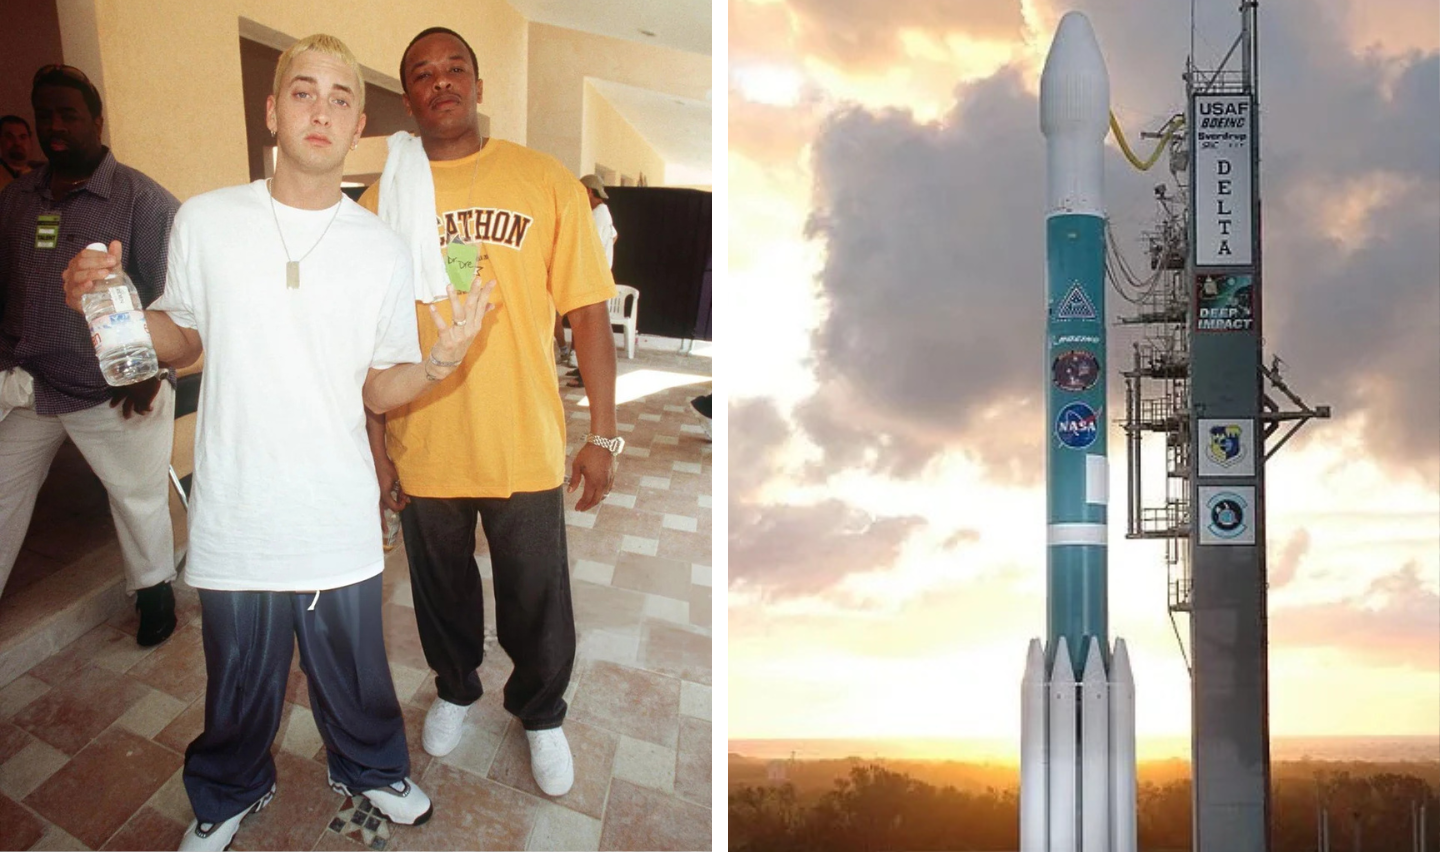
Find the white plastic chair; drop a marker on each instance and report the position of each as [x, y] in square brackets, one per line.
[618, 315]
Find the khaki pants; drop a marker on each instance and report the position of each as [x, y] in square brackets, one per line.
[132, 459]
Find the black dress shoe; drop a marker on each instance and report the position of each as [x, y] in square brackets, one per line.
[156, 606]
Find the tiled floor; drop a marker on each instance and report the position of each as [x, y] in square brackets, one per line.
[92, 739]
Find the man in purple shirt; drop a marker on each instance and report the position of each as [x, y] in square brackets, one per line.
[50, 382]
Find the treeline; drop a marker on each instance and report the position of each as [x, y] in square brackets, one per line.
[876, 809]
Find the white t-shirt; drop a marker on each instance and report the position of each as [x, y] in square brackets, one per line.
[284, 496]
[605, 224]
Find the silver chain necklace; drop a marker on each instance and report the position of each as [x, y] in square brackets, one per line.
[292, 267]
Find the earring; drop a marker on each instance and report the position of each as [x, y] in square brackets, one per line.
[272, 133]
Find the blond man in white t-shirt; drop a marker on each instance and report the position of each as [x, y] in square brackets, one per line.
[302, 303]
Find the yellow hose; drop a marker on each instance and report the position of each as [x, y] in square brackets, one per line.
[1170, 129]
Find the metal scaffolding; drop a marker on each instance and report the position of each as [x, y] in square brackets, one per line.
[1157, 400]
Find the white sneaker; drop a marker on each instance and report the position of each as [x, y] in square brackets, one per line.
[550, 761]
[402, 803]
[216, 836]
[443, 724]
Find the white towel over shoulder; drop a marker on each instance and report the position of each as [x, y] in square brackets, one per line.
[407, 205]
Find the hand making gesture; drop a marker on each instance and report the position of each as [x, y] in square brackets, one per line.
[453, 340]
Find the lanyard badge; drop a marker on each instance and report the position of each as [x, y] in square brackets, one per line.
[47, 230]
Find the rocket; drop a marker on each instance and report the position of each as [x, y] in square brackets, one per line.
[1077, 746]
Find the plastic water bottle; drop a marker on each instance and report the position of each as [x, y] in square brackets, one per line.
[392, 529]
[118, 329]
[392, 521]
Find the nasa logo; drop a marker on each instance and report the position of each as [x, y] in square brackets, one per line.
[1076, 426]
[1226, 447]
[1075, 370]
[1228, 515]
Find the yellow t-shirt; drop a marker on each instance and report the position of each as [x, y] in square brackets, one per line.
[497, 426]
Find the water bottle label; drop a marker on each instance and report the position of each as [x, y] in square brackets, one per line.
[119, 330]
[120, 296]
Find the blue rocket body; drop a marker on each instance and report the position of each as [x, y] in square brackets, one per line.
[1076, 462]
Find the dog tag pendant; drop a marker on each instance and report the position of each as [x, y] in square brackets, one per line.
[292, 274]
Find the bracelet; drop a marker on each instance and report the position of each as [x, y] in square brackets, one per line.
[437, 362]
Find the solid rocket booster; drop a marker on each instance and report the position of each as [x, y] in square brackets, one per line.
[1122, 751]
[1077, 749]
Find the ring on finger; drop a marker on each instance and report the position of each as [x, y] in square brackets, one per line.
[459, 322]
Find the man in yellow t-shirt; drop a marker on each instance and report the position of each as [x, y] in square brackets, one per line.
[491, 438]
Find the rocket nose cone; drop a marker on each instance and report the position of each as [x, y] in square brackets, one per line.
[1074, 87]
[1074, 28]
[1074, 50]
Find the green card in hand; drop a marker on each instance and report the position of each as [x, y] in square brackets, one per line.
[460, 260]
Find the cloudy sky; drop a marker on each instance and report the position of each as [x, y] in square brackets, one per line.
[886, 423]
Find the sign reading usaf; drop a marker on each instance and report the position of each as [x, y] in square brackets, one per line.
[1225, 514]
[1227, 447]
[1224, 133]
[1076, 426]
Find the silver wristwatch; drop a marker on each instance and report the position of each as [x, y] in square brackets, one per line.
[615, 445]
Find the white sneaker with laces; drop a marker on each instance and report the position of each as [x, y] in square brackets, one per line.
[443, 724]
[550, 761]
[402, 803]
[216, 836]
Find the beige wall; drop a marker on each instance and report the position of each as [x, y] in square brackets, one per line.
[610, 140]
[170, 69]
[561, 59]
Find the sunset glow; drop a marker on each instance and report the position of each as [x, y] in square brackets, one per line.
[887, 514]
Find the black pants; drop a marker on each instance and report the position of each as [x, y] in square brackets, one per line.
[533, 615]
[249, 637]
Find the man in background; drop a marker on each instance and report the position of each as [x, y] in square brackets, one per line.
[605, 228]
[14, 148]
[604, 222]
[48, 366]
